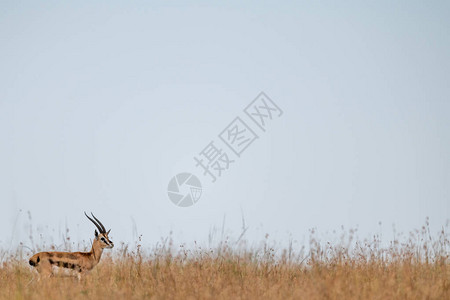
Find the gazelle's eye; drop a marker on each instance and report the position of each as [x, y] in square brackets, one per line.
[103, 239]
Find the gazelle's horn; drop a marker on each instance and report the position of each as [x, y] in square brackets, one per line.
[100, 223]
[95, 223]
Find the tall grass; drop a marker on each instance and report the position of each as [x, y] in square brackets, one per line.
[414, 268]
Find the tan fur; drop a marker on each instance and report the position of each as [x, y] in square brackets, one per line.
[79, 262]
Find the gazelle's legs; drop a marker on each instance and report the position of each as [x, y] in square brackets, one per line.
[45, 270]
[34, 274]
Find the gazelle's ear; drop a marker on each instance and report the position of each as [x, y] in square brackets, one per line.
[96, 233]
[108, 232]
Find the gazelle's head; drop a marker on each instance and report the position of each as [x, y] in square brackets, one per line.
[102, 237]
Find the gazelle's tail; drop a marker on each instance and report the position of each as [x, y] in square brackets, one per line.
[34, 260]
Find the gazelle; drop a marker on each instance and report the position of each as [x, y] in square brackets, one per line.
[80, 262]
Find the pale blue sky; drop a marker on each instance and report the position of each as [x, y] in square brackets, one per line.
[101, 104]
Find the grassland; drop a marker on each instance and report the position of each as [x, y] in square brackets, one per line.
[416, 268]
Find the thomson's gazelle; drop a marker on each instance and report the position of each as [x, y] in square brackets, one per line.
[81, 262]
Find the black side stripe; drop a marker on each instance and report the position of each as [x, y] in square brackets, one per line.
[63, 264]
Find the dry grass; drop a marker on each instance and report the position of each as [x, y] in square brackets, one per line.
[415, 269]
